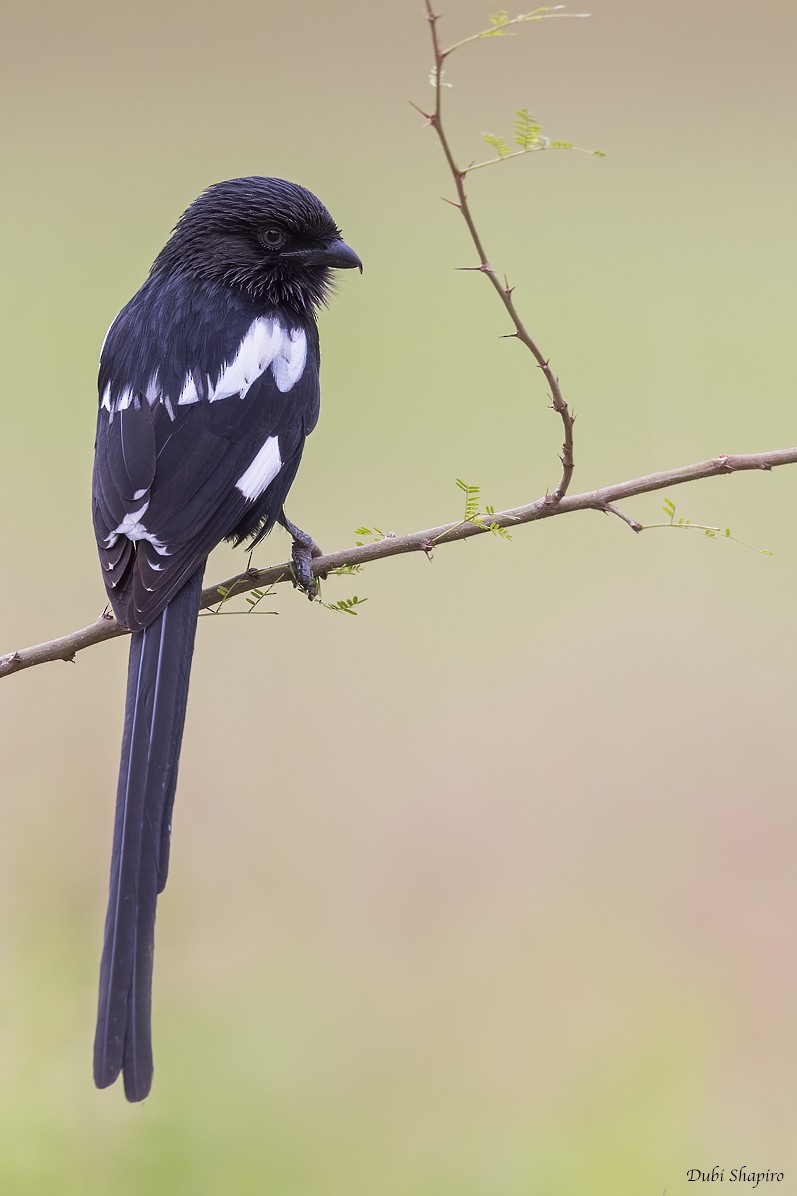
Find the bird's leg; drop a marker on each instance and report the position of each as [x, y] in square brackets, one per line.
[303, 550]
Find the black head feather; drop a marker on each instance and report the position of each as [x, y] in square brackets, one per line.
[271, 238]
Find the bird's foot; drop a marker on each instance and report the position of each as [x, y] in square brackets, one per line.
[303, 551]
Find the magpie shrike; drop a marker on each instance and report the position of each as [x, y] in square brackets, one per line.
[208, 386]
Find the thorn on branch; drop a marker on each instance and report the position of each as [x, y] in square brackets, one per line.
[427, 116]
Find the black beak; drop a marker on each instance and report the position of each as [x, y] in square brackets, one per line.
[337, 255]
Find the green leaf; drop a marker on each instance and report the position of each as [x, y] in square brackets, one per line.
[345, 606]
[710, 533]
[527, 129]
[498, 22]
[375, 533]
[471, 501]
[497, 530]
[499, 144]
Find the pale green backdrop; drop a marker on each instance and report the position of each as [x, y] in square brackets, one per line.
[490, 891]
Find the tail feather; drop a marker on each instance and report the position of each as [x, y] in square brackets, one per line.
[157, 692]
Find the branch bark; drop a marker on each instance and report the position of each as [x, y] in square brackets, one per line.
[106, 627]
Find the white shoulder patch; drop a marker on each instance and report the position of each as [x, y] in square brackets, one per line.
[288, 365]
[266, 343]
[262, 471]
[255, 354]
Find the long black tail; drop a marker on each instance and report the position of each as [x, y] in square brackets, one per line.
[157, 692]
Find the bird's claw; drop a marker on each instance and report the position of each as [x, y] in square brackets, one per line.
[303, 551]
[302, 559]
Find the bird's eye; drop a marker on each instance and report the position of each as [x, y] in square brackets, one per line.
[272, 238]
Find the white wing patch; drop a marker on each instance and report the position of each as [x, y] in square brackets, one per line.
[189, 392]
[266, 343]
[121, 403]
[132, 527]
[262, 471]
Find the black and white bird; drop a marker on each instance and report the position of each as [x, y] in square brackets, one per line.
[208, 387]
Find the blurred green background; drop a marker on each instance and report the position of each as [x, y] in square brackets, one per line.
[491, 890]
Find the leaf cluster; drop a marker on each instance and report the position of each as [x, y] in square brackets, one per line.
[711, 533]
[345, 606]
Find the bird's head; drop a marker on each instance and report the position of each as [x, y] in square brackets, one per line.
[268, 237]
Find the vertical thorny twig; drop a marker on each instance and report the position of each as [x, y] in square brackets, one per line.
[503, 290]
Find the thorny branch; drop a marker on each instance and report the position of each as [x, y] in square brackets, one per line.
[503, 290]
[604, 500]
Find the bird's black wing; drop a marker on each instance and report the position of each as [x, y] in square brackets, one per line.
[174, 476]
